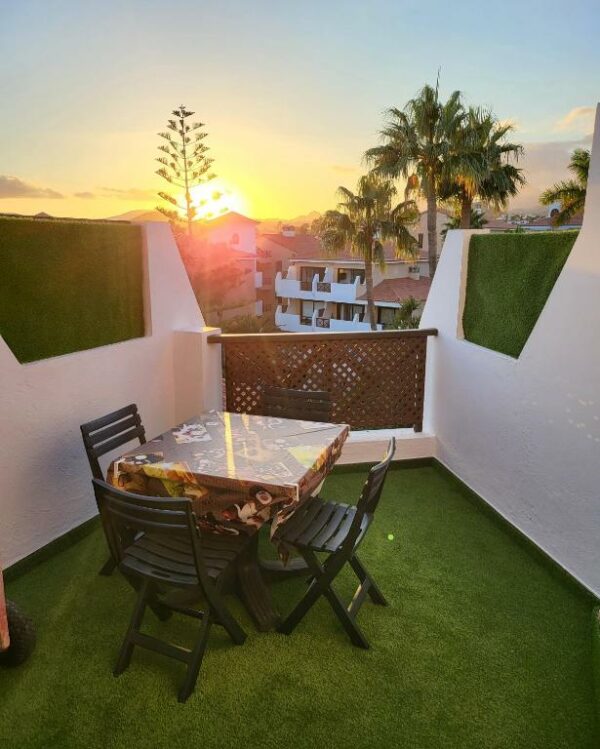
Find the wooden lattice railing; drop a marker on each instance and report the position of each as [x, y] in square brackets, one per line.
[376, 380]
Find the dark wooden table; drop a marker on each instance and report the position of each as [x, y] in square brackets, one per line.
[240, 471]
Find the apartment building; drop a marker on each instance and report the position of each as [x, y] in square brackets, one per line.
[275, 254]
[322, 293]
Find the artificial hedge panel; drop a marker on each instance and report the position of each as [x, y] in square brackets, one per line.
[67, 286]
[509, 279]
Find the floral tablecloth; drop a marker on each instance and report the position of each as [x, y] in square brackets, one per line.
[4, 639]
[239, 470]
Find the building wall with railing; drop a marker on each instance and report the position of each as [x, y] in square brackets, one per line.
[525, 433]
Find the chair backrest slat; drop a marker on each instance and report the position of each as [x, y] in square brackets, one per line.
[288, 403]
[136, 513]
[170, 517]
[131, 422]
[148, 525]
[106, 433]
[118, 441]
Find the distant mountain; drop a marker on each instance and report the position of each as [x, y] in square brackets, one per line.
[139, 216]
[273, 225]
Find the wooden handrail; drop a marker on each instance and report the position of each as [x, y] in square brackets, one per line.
[303, 337]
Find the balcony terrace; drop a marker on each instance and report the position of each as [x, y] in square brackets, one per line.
[485, 543]
[482, 645]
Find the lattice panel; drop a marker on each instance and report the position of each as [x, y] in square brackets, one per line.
[375, 382]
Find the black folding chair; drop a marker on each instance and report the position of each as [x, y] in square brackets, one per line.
[287, 403]
[168, 553]
[337, 530]
[102, 435]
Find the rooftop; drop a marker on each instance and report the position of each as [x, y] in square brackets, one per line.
[483, 645]
[308, 247]
[396, 289]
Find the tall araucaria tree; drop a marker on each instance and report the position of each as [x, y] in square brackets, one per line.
[417, 140]
[364, 221]
[184, 165]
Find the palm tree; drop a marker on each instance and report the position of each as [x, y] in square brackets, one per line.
[477, 220]
[364, 221]
[418, 140]
[405, 318]
[480, 164]
[570, 192]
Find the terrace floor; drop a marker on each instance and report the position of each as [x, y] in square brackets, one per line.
[483, 646]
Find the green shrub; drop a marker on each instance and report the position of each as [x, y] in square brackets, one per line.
[509, 279]
[66, 286]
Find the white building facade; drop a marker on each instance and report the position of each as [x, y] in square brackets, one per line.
[330, 294]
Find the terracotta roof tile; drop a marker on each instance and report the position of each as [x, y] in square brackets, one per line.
[308, 247]
[398, 289]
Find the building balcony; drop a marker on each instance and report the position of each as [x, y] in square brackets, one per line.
[318, 290]
[292, 323]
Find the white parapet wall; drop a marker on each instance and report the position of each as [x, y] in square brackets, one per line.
[525, 434]
[46, 480]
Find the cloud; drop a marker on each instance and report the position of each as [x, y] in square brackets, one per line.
[130, 193]
[343, 168]
[85, 195]
[544, 163]
[13, 187]
[579, 118]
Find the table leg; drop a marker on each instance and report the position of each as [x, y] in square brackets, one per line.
[275, 570]
[253, 589]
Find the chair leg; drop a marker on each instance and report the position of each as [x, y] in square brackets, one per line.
[196, 657]
[363, 575]
[108, 567]
[318, 583]
[229, 623]
[308, 600]
[323, 577]
[353, 631]
[134, 626]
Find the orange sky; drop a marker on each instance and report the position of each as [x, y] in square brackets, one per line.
[292, 93]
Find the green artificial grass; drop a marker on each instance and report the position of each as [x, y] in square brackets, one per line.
[66, 286]
[509, 279]
[596, 655]
[482, 646]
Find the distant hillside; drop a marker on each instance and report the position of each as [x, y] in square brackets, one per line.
[139, 216]
[273, 225]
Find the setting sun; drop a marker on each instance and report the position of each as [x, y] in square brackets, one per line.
[215, 198]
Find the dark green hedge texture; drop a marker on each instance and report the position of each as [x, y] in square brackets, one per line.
[509, 279]
[67, 286]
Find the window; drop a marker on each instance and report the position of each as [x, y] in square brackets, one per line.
[420, 240]
[308, 307]
[235, 238]
[386, 315]
[347, 311]
[306, 274]
[349, 275]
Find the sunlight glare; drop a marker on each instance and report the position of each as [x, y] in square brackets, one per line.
[215, 198]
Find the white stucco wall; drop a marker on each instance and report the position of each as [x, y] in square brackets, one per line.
[46, 481]
[525, 434]
[224, 228]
